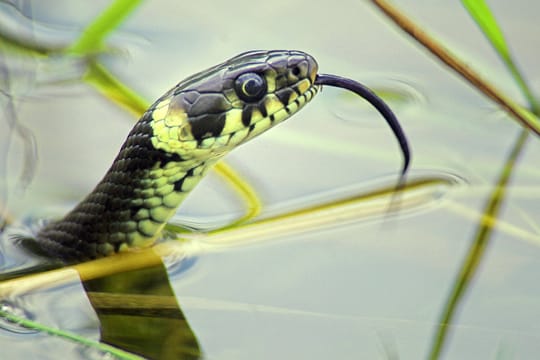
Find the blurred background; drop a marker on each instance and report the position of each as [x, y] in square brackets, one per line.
[372, 288]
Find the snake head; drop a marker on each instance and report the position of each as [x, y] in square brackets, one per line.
[208, 114]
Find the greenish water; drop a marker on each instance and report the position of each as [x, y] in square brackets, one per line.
[373, 288]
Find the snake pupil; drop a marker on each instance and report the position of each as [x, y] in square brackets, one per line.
[250, 87]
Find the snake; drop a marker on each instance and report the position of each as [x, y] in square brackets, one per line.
[178, 140]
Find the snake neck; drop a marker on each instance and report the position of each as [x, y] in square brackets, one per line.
[131, 204]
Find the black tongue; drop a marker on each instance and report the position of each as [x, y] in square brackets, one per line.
[378, 103]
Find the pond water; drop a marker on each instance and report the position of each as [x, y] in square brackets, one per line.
[373, 287]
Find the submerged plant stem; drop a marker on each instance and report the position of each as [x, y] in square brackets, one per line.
[522, 115]
[477, 249]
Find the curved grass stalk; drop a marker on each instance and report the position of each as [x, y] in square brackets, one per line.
[244, 190]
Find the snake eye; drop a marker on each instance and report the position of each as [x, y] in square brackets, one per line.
[250, 87]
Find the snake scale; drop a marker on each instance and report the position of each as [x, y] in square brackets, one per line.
[176, 142]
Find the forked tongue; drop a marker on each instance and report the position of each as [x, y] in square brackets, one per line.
[384, 110]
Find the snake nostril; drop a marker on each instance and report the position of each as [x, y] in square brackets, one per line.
[296, 70]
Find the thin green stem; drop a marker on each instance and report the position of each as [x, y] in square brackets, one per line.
[33, 325]
[91, 39]
[477, 249]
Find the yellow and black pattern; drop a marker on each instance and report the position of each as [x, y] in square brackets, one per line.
[174, 144]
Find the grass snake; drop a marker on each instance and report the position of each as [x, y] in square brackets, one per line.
[179, 138]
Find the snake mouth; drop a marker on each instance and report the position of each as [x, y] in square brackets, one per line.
[378, 103]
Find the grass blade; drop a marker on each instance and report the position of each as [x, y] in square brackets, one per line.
[482, 15]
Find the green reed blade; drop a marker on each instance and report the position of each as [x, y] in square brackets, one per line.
[482, 15]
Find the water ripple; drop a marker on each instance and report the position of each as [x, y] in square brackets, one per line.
[401, 95]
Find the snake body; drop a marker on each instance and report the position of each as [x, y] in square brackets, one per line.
[173, 145]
